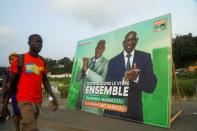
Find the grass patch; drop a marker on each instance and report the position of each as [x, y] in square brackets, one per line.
[187, 85]
[62, 84]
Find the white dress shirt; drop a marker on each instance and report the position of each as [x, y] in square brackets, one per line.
[126, 58]
[131, 62]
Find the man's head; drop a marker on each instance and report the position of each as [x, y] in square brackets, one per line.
[130, 41]
[99, 49]
[35, 43]
[12, 56]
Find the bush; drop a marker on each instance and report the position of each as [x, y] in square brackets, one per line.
[62, 84]
[187, 85]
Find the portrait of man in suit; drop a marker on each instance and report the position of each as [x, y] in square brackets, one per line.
[94, 70]
[135, 67]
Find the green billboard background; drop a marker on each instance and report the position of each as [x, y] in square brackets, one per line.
[154, 38]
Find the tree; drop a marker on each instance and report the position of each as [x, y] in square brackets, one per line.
[61, 66]
[2, 70]
[184, 50]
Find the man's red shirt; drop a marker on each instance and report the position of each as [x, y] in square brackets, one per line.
[29, 87]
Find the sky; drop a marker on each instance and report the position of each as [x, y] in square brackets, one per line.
[62, 23]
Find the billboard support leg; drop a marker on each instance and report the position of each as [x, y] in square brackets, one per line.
[180, 111]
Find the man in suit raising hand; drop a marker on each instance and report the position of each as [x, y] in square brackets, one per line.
[136, 67]
[94, 70]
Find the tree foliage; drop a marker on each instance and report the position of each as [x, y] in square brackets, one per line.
[61, 66]
[2, 70]
[184, 50]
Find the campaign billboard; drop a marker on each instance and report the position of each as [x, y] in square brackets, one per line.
[125, 73]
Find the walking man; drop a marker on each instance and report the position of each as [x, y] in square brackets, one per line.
[29, 90]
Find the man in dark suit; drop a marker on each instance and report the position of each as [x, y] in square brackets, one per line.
[136, 67]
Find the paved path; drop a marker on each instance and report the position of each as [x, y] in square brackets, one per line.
[74, 120]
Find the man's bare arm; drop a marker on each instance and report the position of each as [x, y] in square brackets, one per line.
[47, 86]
